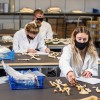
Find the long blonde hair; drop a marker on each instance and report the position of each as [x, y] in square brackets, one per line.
[90, 49]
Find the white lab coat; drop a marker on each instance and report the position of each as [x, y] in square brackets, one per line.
[21, 43]
[45, 30]
[66, 63]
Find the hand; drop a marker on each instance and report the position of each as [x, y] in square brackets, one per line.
[47, 50]
[71, 78]
[87, 74]
[31, 51]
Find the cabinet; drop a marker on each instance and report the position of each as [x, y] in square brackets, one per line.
[18, 20]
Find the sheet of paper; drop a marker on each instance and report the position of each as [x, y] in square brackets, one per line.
[89, 80]
[3, 79]
[41, 53]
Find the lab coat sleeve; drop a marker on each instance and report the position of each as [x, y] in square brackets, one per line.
[49, 34]
[64, 62]
[93, 67]
[41, 45]
[16, 41]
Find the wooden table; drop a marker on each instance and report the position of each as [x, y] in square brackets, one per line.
[6, 32]
[45, 62]
[6, 44]
[44, 94]
[55, 46]
[57, 43]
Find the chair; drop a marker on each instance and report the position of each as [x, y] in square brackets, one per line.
[83, 17]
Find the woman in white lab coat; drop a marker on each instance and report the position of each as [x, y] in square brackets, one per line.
[28, 40]
[80, 57]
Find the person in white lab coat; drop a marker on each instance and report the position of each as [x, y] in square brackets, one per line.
[45, 32]
[28, 39]
[79, 58]
[45, 29]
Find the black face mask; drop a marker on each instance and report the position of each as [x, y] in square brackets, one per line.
[81, 46]
[40, 19]
[29, 37]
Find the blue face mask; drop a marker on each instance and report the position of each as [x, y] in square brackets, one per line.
[40, 19]
[81, 46]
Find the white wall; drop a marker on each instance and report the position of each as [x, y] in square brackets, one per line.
[90, 4]
[74, 5]
[58, 3]
[43, 4]
[65, 5]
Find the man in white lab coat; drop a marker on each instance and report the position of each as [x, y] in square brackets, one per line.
[80, 57]
[29, 40]
[45, 29]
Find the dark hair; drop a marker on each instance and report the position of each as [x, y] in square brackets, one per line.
[38, 11]
[32, 28]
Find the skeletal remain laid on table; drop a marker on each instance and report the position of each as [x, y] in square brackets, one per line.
[57, 41]
[68, 90]
[55, 91]
[7, 38]
[83, 91]
[58, 81]
[32, 55]
[97, 89]
[24, 59]
[53, 54]
[19, 54]
[65, 41]
[91, 98]
[65, 85]
[79, 87]
[88, 90]
[48, 40]
[94, 87]
[29, 54]
[59, 87]
[64, 89]
[52, 84]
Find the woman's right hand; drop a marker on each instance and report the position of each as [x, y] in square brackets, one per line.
[31, 51]
[71, 78]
